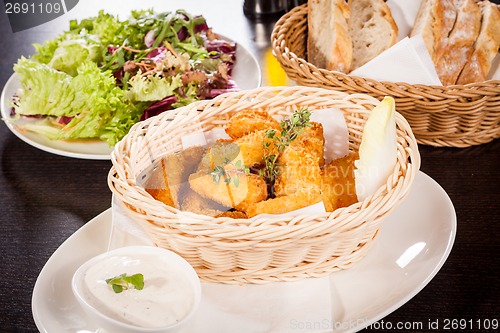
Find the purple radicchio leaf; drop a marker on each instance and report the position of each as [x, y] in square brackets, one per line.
[158, 107]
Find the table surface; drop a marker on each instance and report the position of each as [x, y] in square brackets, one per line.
[44, 198]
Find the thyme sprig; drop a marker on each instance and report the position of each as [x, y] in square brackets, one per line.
[275, 143]
[223, 172]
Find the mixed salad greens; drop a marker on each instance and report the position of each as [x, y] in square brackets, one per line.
[103, 75]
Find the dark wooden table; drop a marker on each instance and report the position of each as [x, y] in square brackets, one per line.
[44, 198]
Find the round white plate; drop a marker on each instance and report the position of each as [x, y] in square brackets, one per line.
[246, 74]
[413, 244]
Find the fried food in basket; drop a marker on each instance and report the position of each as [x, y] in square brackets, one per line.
[338, 186]
[157, 185]
[195, 203]
[247, 122]
[233, 189]
[266, 167]
[171, 173]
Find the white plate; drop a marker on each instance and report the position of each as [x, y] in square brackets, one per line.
[412, 246]
[246, 74]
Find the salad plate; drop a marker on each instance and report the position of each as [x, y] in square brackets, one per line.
[246, 74]
[412, 246]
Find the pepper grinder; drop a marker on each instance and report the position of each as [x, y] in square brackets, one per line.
[262, 9]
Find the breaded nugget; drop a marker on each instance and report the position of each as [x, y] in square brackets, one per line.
[252, 147]
[338, 184]
[298, 168]
[218, 154]
[249, 121]
[195, 203]
[233, 214]
[172, 171]
[249, 149]
[312, 138]
[301, 198]
[179, 166]
[238, 192]
[157, 184]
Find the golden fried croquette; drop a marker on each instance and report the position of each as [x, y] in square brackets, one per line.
[195, 203]
[233, 214]
[238, 191]
[312, 138]
[249, 149]
[298, 168]
[338, 183]
[171, 173]
[252, 147]
[157, 184]
[218, 154]
[301, 198]
[248, 121]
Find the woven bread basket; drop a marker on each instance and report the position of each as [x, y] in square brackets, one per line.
[267, 249]
[454, 116]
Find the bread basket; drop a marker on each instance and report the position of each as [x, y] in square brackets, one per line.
[264, 249]
[454, 116]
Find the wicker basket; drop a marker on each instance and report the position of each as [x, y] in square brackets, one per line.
[266, 249]
[455, 116]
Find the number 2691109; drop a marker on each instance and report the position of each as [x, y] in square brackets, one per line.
[33, 8]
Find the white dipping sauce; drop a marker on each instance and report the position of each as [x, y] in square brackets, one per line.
[167, 296]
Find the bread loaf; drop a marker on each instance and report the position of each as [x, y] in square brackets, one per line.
[372, 30]
[329, 45]
[486, 46]
[434, 21]
[457, 49]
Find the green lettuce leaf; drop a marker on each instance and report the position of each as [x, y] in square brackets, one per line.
[45, 90]
[98, 108]
[69, 54]
[152, 87]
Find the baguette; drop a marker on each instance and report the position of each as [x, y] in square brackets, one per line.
[457, 49]
[372, 29]
[329, 45]
[434, 21]
[486, 46]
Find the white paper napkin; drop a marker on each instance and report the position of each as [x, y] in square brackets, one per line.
[406, 61]
[404, 13]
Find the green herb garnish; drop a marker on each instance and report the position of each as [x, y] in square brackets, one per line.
[221, 172]
[124, 282]
[290, 130]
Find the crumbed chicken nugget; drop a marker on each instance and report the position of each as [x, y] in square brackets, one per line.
[195, 203]
[229, 187]
[219, 154]
[312, 138]
[298, 168]
[249, 149]
[157, 184]
[338, 184]
[171, 173]
[249, 121]
[233, 214]
[301, 198]
[179, 166]
[252, 147]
